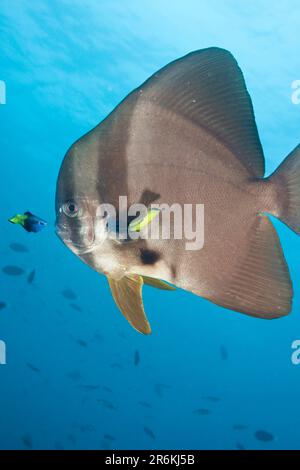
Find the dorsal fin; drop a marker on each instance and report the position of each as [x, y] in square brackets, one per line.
[208, 88]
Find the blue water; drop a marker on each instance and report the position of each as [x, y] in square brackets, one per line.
[66, 64]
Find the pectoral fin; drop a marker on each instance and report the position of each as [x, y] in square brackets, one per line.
[158, 283]
[127, 293]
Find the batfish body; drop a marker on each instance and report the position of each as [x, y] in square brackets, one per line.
[186, 136]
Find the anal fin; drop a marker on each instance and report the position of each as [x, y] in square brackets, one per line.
[260, 285]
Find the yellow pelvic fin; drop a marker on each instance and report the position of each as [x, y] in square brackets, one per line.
[138, 224]
[127, 293]
[158, 283]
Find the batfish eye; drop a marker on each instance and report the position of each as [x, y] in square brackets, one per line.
[70, 209]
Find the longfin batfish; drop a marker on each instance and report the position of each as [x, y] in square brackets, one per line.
[187, 135]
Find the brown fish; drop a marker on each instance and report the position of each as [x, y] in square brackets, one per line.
[187, 135]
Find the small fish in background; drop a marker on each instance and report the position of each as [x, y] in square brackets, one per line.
[75, 375]
[263, 436]
[160, 388]
[69, 294]
[98, 337]
[136, 358]
[76, 307]
[224, 353]
[87, 428]
[107, 404]
[239, 427]
[89, 387]
[27, 441]
[3, 305]
[149, 432]
[33, 367]
[58, 445]
[107, 389]
[106, 445]
[145, 404]
[31, 276]
[212, 399]
[116, 365]
[202, 411]
[18, 248]
[11, 270]
[71, 438]
[82, 343]
[29, 221]
[240, 446]
[109, 437]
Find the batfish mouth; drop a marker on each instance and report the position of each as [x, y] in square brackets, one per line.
[74, 239]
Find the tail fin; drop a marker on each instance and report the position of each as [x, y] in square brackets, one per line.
[286, 180]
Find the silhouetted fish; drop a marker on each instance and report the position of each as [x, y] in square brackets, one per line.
[27, 441]
[224, 353]
[187, 135]
[145, 404]
[107, 404]
[211, 398]
[202, 411]
[89, 387]
[58, 445]
[136, 358]
[240, 446]
[107, 389]
[3, 305]
[106, 445]
[33, 367]
[263, 436]
[116, 365]
[75, 375]
[31, 277]
[149, 432]
[159, 389]
[109, 437]
[98, 337]
[13, 270]
[69, 294]
[239, 427]
[71, 438]
[18, 247]
[87, 428]
[82, 343]
[76, 307]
